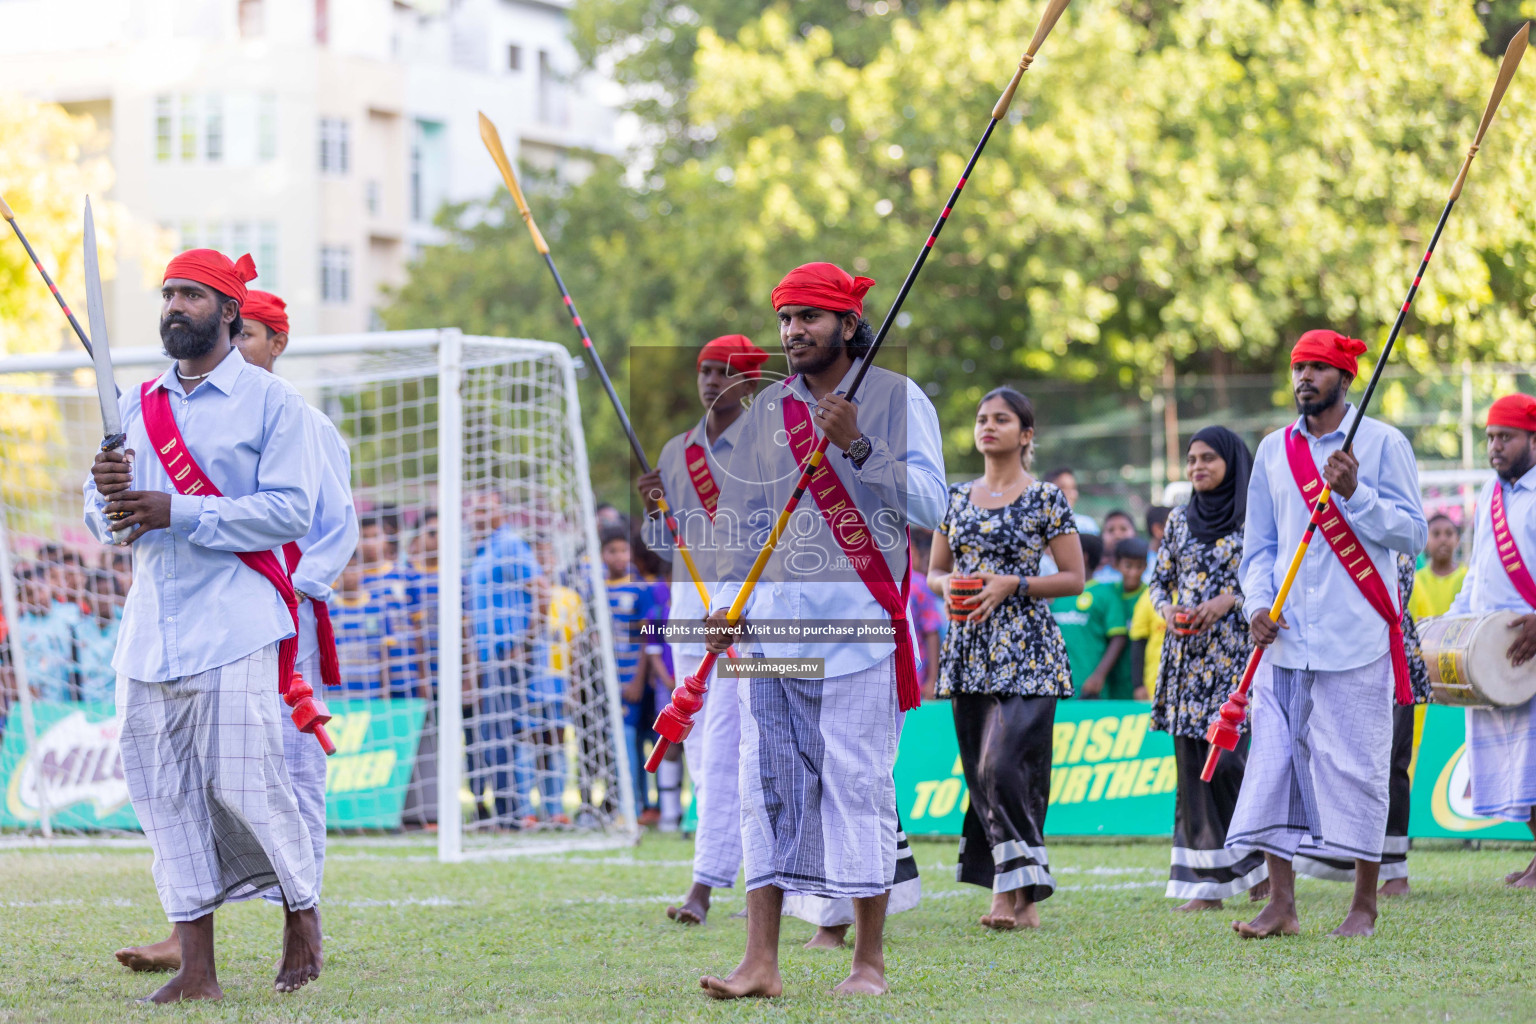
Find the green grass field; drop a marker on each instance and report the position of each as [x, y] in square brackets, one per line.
[582, 937]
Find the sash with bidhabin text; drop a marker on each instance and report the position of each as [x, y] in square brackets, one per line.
[852, 534]
[188, 478]
[697, 462]
[1509, 551]
[1352, 554]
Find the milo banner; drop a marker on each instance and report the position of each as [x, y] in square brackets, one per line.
[1112, 776]
[77, 766]
[1442, 794]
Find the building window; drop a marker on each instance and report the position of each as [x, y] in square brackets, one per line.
[189, 235]
[252, 19]
[514, 58]
[334, 138]
[371, 197]
[240, 241]
[213, 128]
[552, 98]
[266, 255]
[188, 128]
[266, 127]
[335, 274]
[164, 144]
[429, 170]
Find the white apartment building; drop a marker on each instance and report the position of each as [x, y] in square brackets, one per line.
[321, 136]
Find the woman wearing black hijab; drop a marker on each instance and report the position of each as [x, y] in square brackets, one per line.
[1195, 588]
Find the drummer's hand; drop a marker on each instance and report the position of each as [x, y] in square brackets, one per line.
[1524, 647]
[721, 635]
[1263, 630]
[1340, 473]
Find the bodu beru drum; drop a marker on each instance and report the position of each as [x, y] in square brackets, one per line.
[1468, 661]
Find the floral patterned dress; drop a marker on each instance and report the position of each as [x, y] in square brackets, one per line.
[1199, 671]
[1018, 650]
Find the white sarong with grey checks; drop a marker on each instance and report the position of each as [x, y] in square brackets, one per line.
[818, 799]
[306, 770]
[203, 760]
[1318, 763]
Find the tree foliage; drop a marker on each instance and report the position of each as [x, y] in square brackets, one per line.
[1178, 184]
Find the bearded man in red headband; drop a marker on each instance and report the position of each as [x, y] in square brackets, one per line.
[318, 561]
[225, 475]
[821, 719]
[1320, 756]
[1501, 741]
[691, 476]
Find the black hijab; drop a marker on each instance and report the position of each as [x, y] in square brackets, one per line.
[1214, 514]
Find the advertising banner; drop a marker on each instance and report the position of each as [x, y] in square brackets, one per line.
[1110, 774]
[78, 767]
[1442, 794]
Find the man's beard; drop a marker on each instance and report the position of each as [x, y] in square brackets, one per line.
[1322, 404]
[194, 339]
[1518, 469]
[821, 358]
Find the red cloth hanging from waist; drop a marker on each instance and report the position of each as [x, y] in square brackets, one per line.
[188, 478]
[1352, 554]
[853, 536]
[330, 665]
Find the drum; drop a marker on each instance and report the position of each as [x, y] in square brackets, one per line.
[961, 590]
[1468, 664]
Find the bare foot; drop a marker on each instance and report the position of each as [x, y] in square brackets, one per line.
[745, 982]
[301, 950]
[1026, 912]
[1271, 921]
[1525, 881]
[183, 987]
[1000, 918]
[1394, 887]
[740, 915]
[689, 912]
[1515, 876]
[863, 980]
[158, 956]
[1259, 893]
[1196, 905]
[1357, 924]
[829, 937]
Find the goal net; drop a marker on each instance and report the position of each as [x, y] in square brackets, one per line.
[479, 696]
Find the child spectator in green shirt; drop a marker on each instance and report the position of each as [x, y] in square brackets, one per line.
[1130, 561]
[1092, 625]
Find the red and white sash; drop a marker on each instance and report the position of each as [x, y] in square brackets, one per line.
[188, 478]
[853, 536]
[1509, 552]
[1352, 554]
[697, 462]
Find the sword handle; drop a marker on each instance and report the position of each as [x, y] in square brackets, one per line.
[111, 443]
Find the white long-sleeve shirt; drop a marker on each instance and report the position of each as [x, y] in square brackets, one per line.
[807, 579]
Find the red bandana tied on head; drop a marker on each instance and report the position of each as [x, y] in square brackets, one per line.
[266, 308]
[1515, 411]
[822, 286]
[214, 269]
[1331, 347]
[737, 352]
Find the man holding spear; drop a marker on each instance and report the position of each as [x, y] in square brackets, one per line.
[1319, 760]
[691, 472]
[818, 748]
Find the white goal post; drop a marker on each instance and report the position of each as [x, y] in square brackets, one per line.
[490, 690]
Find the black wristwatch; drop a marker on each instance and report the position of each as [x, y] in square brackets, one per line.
[859, 450]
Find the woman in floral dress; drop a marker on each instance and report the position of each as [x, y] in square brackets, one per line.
[1203, 659]
[1005, 665]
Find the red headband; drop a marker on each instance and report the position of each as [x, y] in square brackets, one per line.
[737, 352]
[214, 269]
[266, 308]
[1331, 347]
[1517, 411]
[822, 286]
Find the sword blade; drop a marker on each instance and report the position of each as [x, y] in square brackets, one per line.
[96, 313]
